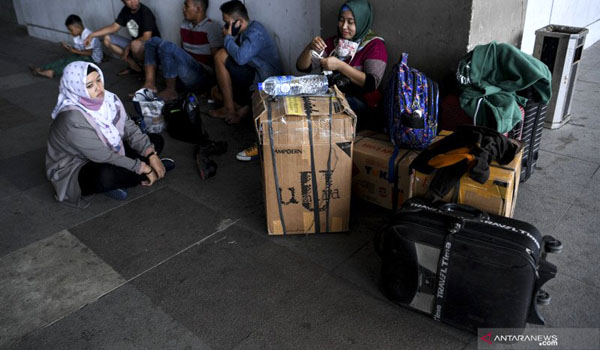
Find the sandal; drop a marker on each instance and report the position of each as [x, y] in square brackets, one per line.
[35, 70]
[211, 148]
[128, 71]
[206, 168]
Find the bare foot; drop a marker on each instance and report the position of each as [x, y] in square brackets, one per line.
[150, 87]
[216, 95]
[240, 114]
[35, 70]
[243, 111]
[221, 113]
[135, 67]
[48, 73]
[168, 95]
[233, 119]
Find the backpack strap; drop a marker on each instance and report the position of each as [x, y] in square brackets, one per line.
[404, 59]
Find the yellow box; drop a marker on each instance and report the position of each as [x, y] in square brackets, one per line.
[497, 196]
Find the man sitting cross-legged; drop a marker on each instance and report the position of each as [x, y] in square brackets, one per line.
[141, 24]
[192, 64]
[249, 56]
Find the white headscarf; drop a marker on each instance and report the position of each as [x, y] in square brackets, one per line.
[103, 112]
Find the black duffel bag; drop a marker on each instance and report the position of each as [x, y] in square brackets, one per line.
[184, 121]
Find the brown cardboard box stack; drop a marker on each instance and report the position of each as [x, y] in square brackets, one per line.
[372, 154]
[306, 161]
[371, 171]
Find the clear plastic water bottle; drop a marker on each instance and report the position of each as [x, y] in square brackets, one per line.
[290, 85]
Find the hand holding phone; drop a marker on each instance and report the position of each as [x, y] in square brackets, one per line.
[236, 27]
[232, 28]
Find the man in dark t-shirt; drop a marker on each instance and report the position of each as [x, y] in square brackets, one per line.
[141, 25]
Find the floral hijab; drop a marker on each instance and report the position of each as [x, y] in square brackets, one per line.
[101, 113]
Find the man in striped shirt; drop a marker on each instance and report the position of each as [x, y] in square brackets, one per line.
[192, 64]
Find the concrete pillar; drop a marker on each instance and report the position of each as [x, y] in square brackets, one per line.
[494, 20]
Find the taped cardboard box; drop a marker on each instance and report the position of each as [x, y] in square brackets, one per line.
[497, 196]
[306, 158]
[371, 171]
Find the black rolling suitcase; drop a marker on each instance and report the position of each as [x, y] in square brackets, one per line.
[465, 267]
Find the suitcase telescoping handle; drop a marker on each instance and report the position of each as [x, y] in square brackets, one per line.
[464, 211]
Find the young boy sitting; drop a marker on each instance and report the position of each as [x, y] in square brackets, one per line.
[79, 52]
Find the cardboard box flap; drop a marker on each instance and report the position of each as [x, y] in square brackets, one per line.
[345, 104]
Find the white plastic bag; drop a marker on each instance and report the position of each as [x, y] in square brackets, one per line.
[150, 107]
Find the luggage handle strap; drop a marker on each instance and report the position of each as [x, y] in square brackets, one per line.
[443, 269]
[464, 209]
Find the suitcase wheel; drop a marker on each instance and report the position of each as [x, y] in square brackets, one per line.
[553, 246]
[543, 297]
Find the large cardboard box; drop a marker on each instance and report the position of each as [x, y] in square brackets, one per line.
[371, 173]
[497, 196]
[306, 157]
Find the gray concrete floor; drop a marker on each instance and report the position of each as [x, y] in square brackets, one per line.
[187, 264]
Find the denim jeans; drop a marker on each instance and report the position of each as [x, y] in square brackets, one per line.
[176, 63]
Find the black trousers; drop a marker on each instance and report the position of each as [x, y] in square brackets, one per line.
[103, 177]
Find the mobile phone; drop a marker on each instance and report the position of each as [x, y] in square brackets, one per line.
[235, 30]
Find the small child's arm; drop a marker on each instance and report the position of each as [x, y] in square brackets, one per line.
[80, 52]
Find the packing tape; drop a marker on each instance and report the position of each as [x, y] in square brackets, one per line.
[305, 152]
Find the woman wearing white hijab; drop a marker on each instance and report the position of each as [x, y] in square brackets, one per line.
[93, 146]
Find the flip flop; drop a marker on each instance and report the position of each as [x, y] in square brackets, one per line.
[125, 71]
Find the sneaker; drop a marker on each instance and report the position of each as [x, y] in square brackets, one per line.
[250, 153]
[168, 163]
[119, 194]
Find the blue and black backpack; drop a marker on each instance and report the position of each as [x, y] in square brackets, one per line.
[411, 106]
